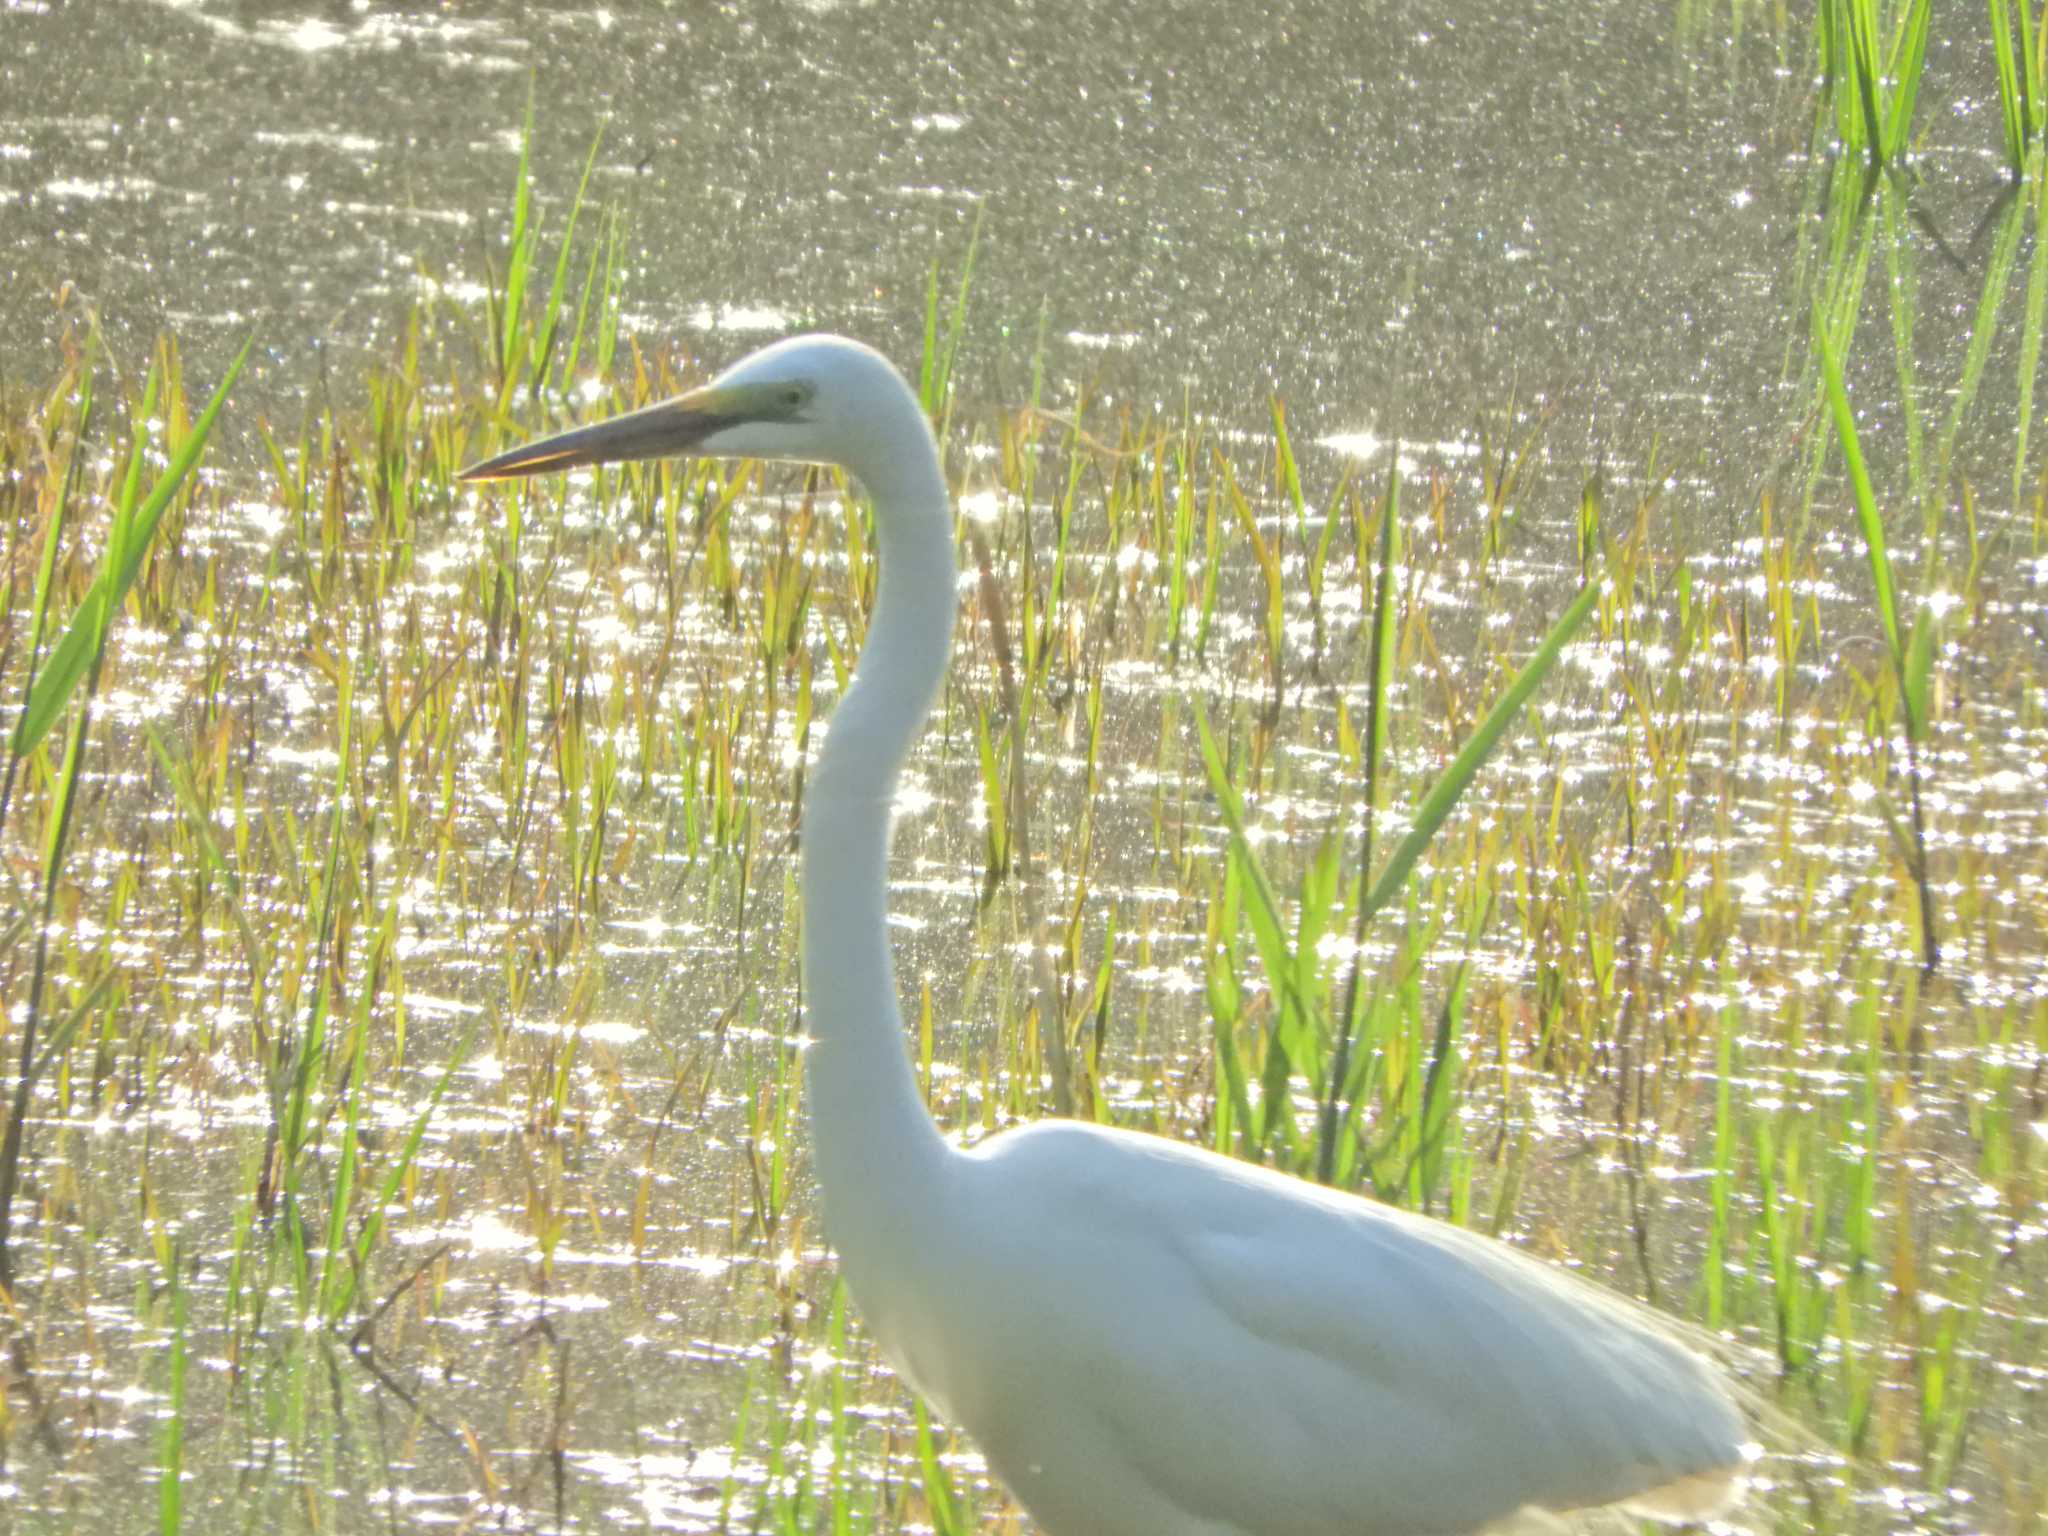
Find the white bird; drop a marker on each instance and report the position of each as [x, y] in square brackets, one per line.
[1147, 1338]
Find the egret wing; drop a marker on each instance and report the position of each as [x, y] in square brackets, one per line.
[1458, 1358]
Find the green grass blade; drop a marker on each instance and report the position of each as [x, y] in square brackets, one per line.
[331, 1268]
[394, 1177]
[928, 364]
[1917, 671]
[53, 536]
[1869, 122]
[614, 280]
[1901, 288]
[1990, 300]
[2031, 329]
[995, 803]
[2011, 102]
[941, 1500]
[590, 270]
[66, 1028]
[1380, 678]
[1385, 618]
[1266, 913]
[89, 625]
[1443, 796]
[170, 1503]
[1909, 59]
[1290, 473]
[1867, 518]
[519, 255]
[551, 317]
[935, 380]
[2033, 77]
[1226, 1008]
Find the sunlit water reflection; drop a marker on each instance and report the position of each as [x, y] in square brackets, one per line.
[608, 1243]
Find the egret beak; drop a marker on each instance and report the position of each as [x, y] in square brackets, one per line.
[659, 431]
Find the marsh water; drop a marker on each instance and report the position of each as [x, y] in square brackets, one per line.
[1596, 231]
[1395, 216]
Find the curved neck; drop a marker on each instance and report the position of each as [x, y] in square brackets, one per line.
[875, 1141]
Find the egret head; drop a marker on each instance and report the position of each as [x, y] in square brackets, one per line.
[820, 399]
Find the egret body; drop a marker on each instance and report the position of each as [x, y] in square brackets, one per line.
[1146, 1338]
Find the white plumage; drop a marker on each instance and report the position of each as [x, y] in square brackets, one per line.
[1146, 1338]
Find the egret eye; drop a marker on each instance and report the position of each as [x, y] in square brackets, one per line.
[795, 395]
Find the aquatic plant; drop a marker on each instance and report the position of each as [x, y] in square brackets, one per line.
[2018, 39]
[343, 1077]
[1872, 57]
[70, 672]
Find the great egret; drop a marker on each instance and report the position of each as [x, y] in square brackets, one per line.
[1147, 1338]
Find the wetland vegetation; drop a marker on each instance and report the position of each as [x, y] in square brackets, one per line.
[406, 1122]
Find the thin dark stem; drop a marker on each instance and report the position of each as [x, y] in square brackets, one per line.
[1930, 941]
[1375, 701]
[24, 1083]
